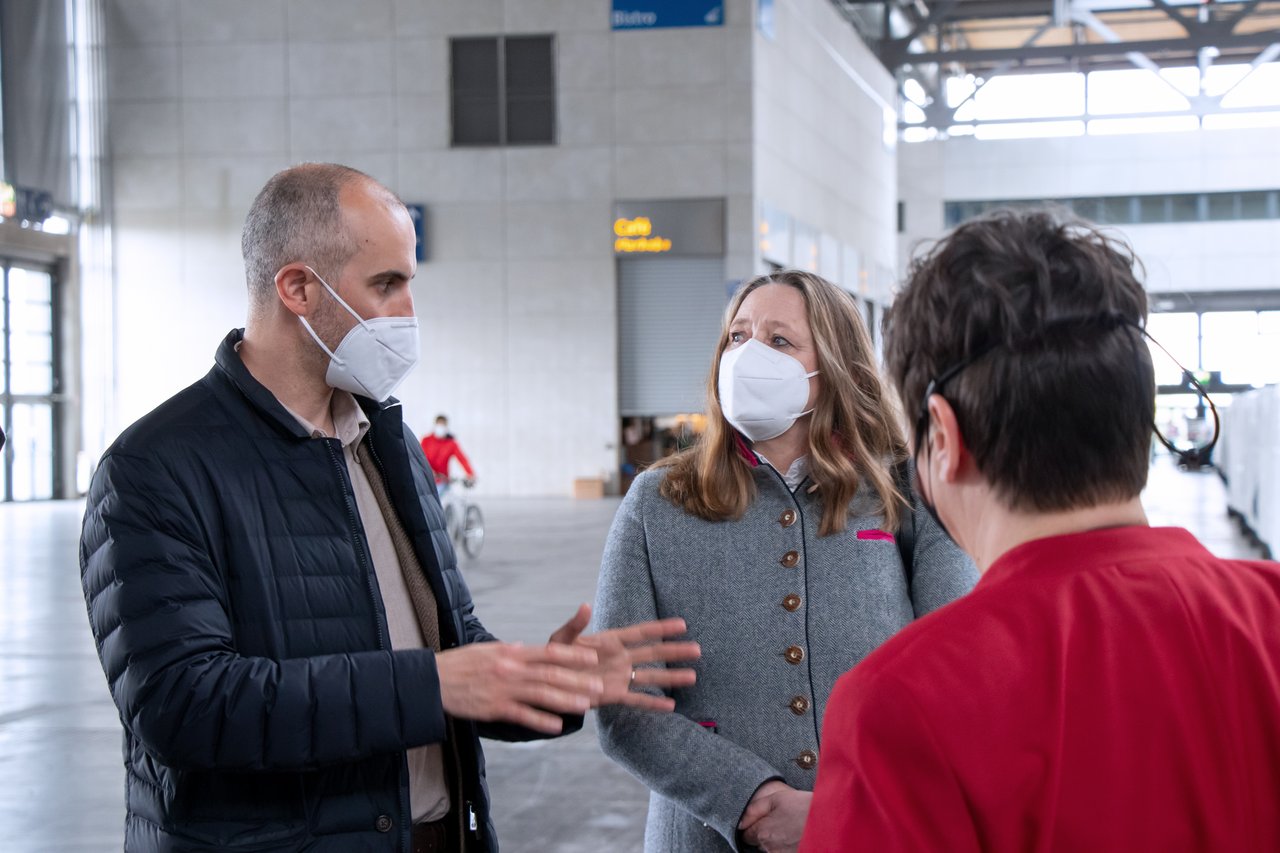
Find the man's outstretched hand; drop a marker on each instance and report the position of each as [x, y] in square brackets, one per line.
[621, 654]
[527, 686]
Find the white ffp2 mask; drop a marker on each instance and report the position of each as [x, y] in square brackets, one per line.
[374, 357]
[762, 391]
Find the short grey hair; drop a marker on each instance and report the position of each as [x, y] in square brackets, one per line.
[297, 218]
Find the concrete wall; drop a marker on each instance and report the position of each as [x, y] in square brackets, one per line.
[1191, 256]
[518, 295]
[821, 151]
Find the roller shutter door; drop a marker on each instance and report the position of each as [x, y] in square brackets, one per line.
[669, 316]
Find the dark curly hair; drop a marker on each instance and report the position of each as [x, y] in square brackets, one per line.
[1032, 322]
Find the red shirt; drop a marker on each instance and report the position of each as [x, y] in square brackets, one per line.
[439, 451]
[1114, 690]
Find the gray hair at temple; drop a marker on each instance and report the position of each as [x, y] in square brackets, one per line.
[297, 218]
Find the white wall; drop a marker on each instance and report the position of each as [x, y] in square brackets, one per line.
[821, 153]
[518, 295]
[1191, 256]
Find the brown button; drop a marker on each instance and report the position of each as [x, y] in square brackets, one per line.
[807, 760]
[788, 518]
[799, 705]
[791, 602]
[795, 654]
[790, 559]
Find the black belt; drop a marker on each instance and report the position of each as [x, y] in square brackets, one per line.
[434, 836]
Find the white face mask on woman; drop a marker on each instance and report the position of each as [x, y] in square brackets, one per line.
[762, 391]
[374, 357]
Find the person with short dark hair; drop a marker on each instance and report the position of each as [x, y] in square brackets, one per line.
[1107, 686]
[294, 654]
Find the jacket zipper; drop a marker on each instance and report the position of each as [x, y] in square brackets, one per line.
[406, 842]
[459, 792]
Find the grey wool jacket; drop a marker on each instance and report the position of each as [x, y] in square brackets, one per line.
[780, 613]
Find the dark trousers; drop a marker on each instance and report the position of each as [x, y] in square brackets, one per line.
[438, 836]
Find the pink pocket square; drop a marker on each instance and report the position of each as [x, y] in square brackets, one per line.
[878, 535]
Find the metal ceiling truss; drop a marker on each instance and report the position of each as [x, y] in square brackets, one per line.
[930, 41]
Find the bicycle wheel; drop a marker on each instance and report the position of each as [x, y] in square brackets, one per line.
[451, 525]
[472, 531]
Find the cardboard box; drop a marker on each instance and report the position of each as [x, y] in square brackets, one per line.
[588, 488]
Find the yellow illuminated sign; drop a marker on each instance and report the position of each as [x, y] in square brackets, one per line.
[636, 235]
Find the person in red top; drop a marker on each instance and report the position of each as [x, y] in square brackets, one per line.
[1107, 686]
[440, 446]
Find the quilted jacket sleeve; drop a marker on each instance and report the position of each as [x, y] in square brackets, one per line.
[159, 614]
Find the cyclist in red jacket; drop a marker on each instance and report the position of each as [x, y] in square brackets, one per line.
[440, 446]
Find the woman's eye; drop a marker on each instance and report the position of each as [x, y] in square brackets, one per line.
[779, 341]
[735, 337]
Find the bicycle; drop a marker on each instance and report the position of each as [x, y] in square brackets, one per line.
[463, 519]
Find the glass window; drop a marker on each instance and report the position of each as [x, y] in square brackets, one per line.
[32, 440]
[1269, 324]
[1255, 205]
[1179, 333]
[1030, 96]
[1148, 124]
[1028, 129]
[1258, 87]
[30, 332]
[1153, 208]
[502, 90]
[1235, 346]
[1087, 208]
[1131, 90]
[473, 80]
[1184, 208]
[1115, 210]
[1222, 206]
[530, 90]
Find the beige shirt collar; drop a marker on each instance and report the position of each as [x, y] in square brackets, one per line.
[349, 420]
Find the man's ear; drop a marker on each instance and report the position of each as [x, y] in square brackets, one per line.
[946, 443]
[292, 286]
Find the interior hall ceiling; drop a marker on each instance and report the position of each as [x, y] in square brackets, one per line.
[989, 37]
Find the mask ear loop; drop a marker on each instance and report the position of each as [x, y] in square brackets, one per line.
[335, 295]
[1195, 457]
[332, 355]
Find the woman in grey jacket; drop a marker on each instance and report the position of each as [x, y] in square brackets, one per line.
[776, 537]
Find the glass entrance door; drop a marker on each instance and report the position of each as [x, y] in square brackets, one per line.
[28, 384]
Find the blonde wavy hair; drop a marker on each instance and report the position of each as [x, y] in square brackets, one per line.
[854, 435]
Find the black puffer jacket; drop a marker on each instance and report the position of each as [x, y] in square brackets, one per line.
[239, 622]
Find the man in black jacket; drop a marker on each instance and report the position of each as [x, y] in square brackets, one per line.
[275, 601]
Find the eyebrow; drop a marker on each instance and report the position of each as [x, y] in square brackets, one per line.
[394, 274]
[772, 325]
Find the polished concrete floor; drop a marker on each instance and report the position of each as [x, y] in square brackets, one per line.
[61, 780]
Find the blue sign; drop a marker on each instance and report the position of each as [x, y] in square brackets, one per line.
[654, 14]
[418, 213]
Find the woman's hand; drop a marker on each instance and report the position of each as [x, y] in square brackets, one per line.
[774, 819]
[620, 651]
